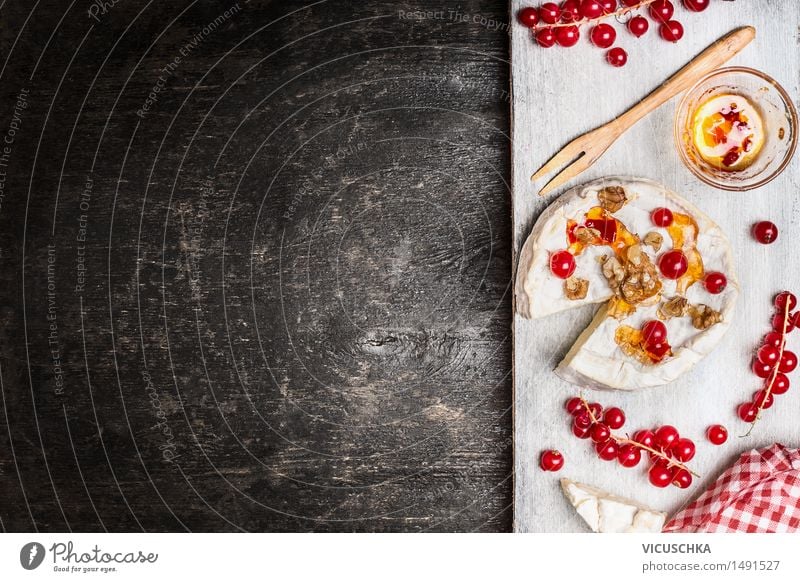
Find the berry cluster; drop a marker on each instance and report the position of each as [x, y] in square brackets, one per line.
[553, 24]
[664, 447]
[773, 361]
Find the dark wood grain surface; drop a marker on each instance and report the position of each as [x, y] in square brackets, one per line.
[255, 265]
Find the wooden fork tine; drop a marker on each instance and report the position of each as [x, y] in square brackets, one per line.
[567, 154]
[572, 170]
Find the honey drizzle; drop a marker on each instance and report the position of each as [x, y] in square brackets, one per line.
[619, 243]
[683, 231]
[631, 342]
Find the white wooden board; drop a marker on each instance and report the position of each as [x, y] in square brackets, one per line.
[560, 93]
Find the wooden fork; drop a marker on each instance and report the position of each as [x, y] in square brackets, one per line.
[586, 149]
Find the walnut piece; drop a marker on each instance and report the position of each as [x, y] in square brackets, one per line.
[654, 240]
[703, 316]
[634, 254]
[612, 198]
[675, 307]
[576, 288]
[632, 278]
[613, 271]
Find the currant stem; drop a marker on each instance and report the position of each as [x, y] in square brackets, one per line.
[618, 439]
[618, 12]
[775, 370]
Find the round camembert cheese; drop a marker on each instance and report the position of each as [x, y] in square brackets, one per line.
[607, 226]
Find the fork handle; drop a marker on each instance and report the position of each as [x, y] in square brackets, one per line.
[710, 59]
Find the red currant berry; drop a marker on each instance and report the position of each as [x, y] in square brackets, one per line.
[545, 37]
[765, 232]
[660, 460]
[659, 476]
[671, 31]
[645, 437]
[608, 450]
[574, 405]
[614, 418]
[609, 6]
[762, 400]
[661, 10]
[528, 17]
[570, 12]
[666, 435]
[747, 412]
[773, 339]
[780, 385]
[681, 478]
[683, 450]
[783, 298]
[662, 217]
[788, 362]
[583, 420]
[596, 409]
[781, 324]
[591, 9]
[551, 461]
[768, 355]
[600, 433]
[654, 332]
[715, 282]
[638, 25]
[631, 3]
[794, 318]
[696, 5]
[562, 264]
[617, 57]
[603, 35]
[673, 264]
[629, 455]
[717, 434]
[761, 369]
[659, 351]
[581, 432]
[567, 36]
[549, 12]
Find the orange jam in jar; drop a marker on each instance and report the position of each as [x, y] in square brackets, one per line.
[728, 132]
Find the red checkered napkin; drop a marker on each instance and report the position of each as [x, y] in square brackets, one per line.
[760, 493]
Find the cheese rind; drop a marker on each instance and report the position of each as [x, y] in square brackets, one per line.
[607, 513]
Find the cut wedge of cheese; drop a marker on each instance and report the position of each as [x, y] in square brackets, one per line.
[606, 513]
[607, 226]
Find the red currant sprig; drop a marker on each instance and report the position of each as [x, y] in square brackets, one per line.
[553, 24]
[773, 361]
[664, 447]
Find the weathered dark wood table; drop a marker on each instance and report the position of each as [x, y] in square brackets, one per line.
[255, 264]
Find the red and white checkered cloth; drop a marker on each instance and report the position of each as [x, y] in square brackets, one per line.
[760, 493]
